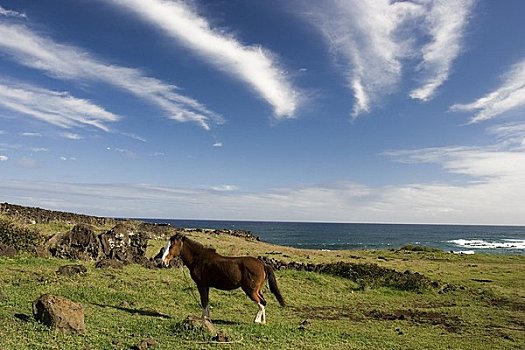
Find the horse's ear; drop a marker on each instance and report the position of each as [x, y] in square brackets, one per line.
[179, 236]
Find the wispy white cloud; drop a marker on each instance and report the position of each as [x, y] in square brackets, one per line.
[225, 188]
[372, 40]
[57, 108]
[486, 186]
[445, 21]
[510, 95]
[217, 144]
[3, 158]
[71, 63]
[11, 13]
[512, 134]
[480, 163]
[490, 190]
[133, 136]
[253, 65]
[364, 36]
[38, 149]
[29, 134]
[71, 136]
[126, 152]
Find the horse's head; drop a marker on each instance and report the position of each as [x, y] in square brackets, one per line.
[172, 249]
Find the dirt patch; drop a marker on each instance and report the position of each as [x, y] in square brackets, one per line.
[513, 305]
[451, 323]
[333, 313]
[7, 251]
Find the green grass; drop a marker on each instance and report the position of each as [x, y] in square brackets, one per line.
[123, 307]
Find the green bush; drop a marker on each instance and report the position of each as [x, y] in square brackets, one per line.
[21, 238]
[419, 248]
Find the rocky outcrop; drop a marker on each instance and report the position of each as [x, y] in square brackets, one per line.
[81, 243]
[123, 243]
[59, 313]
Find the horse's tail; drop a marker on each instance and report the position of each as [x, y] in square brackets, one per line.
[272, 281]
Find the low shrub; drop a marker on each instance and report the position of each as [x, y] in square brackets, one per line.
[373, 276]
[419, 248]
[21, 238]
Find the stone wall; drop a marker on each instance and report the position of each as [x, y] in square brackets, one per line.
[30, 215]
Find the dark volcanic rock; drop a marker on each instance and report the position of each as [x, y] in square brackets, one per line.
[80, 243]
[123, 243]
[59, 313]
[109, 264]
[70, 270]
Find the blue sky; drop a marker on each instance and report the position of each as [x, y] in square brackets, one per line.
[346, 111]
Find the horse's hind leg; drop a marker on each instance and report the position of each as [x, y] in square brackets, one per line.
[256, 296]
[261, 315]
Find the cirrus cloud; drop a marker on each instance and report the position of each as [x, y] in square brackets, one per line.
[510, 95]
[68, 62]
[57, 108]
[253, 65]
[370, 42]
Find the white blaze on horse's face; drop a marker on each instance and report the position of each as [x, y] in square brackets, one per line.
[165, 254]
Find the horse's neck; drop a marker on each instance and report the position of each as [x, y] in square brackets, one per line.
[189, 253]
[192, 253]
[186, 255]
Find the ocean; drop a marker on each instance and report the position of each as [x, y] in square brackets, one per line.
[335, 236]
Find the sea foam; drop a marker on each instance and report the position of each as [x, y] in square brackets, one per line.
[486, 244]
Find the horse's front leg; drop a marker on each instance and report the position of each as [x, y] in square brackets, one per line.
[204, 293]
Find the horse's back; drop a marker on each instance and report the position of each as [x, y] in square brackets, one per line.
[232, 272]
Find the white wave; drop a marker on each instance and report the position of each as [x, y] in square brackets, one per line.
[466, 252]
[482, 244]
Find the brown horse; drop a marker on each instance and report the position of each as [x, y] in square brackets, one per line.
[210, 269]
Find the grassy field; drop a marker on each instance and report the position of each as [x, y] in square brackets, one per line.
[483, 306]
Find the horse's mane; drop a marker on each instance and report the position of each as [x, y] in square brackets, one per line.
[198, 248]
